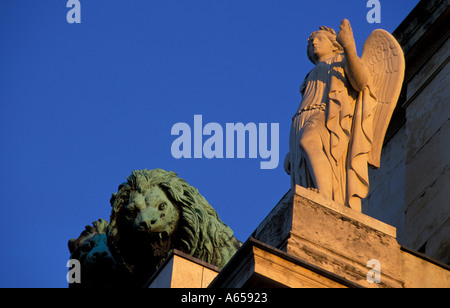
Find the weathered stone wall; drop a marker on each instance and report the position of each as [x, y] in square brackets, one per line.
[412, 189]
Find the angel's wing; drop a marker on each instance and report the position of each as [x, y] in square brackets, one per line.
[384, 60]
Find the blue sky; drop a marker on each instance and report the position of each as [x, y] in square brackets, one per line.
[82, 105]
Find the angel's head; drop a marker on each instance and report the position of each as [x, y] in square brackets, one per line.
[323, 45]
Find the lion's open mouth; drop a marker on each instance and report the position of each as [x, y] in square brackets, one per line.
[160, 242]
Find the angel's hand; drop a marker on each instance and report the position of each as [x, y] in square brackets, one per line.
[355, 70]
[345, 35]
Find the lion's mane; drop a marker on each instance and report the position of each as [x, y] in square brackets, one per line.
[98, 227]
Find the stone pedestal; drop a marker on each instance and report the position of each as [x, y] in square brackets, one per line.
[307, 241]
[333, 237]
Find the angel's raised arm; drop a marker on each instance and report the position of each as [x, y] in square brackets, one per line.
[354, 68]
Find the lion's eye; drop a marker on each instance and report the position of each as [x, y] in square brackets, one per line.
[130, 211]
[162, 206]
[87, 246]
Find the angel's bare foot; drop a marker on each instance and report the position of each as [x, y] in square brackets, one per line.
[314, 189]
[321, 193]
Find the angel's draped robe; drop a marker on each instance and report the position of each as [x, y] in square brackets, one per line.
[342, 117]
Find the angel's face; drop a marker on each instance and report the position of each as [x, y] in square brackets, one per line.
[321, 46]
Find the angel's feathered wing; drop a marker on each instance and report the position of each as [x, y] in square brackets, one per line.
[384, 60]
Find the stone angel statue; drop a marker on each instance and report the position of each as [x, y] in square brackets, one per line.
[347, 103]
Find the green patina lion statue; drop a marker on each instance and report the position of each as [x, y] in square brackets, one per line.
[98, 266]
[153, 213]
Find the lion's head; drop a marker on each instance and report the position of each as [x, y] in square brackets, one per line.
[155, 212]
[91, 249]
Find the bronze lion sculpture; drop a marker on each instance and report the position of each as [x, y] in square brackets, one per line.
[91, 250]
[155, 212]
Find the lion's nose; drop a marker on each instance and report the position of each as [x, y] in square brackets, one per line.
[98, 255]
[144, 225]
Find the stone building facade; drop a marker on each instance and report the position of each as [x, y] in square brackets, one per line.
[411, 191]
